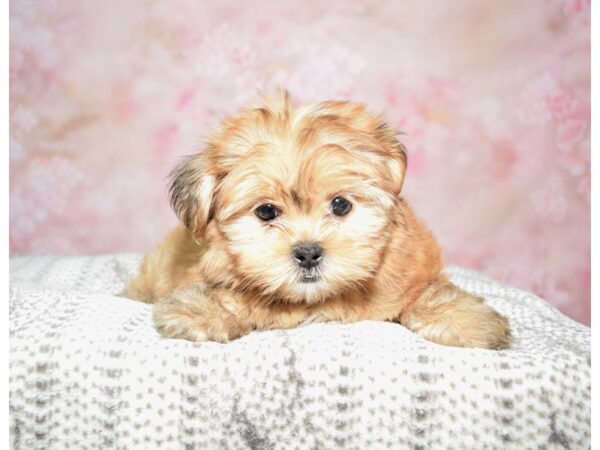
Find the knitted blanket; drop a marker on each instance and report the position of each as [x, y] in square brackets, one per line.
[88, 370]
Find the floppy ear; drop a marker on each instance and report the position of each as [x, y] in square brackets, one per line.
[396, 162]
[192, 189]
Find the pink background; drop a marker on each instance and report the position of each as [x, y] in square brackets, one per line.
[105, 96]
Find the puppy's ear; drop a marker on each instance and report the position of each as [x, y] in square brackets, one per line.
[396, 152]
[192, 190]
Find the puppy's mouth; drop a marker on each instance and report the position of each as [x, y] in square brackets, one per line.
[309, 276]
[309, 279]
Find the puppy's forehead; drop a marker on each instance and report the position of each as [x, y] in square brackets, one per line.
[302, 154]
[278, 173]
[295, 130]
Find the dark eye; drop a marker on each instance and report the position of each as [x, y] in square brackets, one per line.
[340, 206]
[267, 212]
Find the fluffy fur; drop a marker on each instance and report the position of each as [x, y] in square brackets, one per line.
[225, 272]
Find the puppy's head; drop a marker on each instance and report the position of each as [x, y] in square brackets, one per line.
[302, 198]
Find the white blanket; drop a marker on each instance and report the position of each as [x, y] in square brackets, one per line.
[88, 370]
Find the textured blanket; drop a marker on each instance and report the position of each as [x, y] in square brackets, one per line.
[88, 370]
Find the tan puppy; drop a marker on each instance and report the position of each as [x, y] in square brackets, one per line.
[293, 216]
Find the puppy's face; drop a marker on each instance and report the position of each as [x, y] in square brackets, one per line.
[302, 198]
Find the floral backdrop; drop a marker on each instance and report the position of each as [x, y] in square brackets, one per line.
[493, 98]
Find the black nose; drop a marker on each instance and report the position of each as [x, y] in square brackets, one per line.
[308, 255]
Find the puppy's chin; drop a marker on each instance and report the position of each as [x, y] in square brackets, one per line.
[293, 285]
[316, 286]
[306, 288]
[310, 292]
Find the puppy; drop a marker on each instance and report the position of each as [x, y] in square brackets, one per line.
[293, 215]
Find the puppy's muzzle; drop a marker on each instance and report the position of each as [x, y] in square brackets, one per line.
[308, 256]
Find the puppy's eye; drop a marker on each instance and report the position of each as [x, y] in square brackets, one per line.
[267, 212]
[340, 206]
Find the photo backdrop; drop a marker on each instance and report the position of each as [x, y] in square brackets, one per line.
[493, 98]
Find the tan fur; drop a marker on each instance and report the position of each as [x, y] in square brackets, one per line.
[224, 272]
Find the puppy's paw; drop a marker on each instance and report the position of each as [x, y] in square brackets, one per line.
[495, 333]
[448, 315]
[471, 323]
[172, 322]
[191, 314]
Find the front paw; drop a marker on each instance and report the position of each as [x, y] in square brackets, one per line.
[469, 322]
[449, 316]
[171, 323]
[479, 326]
[192, 315]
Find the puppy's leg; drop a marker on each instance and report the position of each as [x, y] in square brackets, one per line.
[448, 315]
[196, 313]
